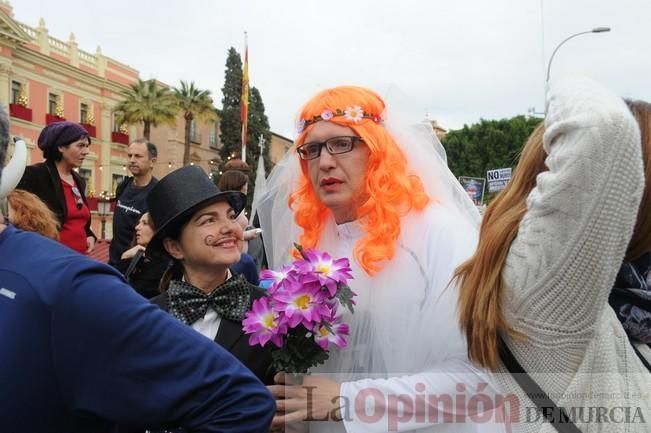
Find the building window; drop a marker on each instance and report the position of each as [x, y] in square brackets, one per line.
[193, 130]
[53, 103]
[116, 180]
[213, 136]
[16, 89]
[83, 113]
[85, 174]
[194, 137]
[116, 125]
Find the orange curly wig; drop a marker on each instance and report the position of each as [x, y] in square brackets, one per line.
[391, 192]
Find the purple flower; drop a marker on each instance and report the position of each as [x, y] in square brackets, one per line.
[286, 276]
[303, 303]
[264, 324]
[327, 115]
[300, 125]
[324, 336]
[333, 305]
[309, 292]
[323, 268]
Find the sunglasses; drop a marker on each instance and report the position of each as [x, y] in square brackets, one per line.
[79, 201]
[334, 146]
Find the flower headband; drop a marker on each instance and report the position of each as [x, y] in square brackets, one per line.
[355, 113]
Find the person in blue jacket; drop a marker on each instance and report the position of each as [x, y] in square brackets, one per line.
[80, 351]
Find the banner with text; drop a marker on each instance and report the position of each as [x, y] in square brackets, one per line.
[498, 178]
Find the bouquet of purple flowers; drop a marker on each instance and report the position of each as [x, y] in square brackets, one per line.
[299, 315]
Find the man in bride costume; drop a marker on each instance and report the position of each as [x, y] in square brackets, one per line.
[358, 185]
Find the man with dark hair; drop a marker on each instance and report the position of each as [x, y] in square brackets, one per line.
[131, 196]
[81, 351]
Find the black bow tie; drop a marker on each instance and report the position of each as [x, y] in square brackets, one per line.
[231, 300]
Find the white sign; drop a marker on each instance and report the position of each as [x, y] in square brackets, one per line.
[498, 178]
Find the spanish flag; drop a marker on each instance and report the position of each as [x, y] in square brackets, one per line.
[244, 102]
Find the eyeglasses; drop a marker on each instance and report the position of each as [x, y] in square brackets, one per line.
[77, 194]
[334, 146]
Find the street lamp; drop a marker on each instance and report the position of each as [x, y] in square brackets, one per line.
[104, 210]
[595, 30]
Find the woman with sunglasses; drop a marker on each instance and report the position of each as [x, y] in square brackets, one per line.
[361, 186]
[65, 146]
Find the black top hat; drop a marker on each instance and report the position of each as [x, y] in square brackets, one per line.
[179, 195]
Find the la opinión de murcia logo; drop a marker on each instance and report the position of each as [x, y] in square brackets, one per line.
[476, 406]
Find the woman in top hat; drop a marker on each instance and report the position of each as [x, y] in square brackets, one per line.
[197, 228]
[65, 146]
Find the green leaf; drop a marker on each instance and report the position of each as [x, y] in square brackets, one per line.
[345, 296]
[299, 354]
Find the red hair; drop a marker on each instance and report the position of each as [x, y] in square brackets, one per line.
[391, 192]
[29, 213]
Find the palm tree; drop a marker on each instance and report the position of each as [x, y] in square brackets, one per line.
[195, 104]
[149, 103]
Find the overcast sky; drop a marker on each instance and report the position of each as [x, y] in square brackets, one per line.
[454, 60]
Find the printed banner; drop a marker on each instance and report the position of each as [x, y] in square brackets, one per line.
[474, 186]
[498, 178]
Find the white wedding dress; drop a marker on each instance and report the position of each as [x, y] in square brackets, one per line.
[404, 338]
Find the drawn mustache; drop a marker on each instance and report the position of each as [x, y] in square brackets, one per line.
[213, 241]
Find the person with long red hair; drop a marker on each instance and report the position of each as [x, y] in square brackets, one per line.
[534, 297]
[359, 185]
[28, 212]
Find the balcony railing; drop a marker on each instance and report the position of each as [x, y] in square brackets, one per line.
[120, 137]
[29, 30]
[58, 46]
[92, 130]
[53, 118]
[20, 112]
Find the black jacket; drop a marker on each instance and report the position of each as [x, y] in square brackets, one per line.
[231, 337]
[144, 273]
[43, 180]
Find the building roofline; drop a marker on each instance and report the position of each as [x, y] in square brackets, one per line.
[282, 136]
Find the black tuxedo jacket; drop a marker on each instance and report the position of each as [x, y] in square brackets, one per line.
[43, 180]
[231, 337]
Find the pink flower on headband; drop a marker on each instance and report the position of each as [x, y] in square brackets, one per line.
[300, 126]
[327, 115]
[356, 114]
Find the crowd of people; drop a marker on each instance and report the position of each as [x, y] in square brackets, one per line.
[532, 317]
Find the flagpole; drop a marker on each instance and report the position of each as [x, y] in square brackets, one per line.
[244, 102]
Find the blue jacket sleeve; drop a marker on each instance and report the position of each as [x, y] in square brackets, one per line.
[121, 358]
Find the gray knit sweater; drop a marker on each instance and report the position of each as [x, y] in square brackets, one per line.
[563, 262]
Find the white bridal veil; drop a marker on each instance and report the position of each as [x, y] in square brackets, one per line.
[432, 243]
[426, 157]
